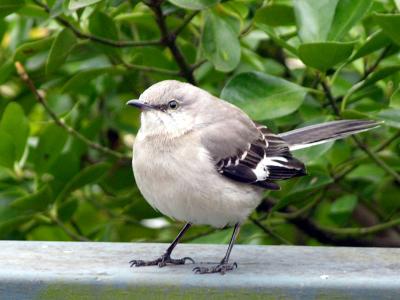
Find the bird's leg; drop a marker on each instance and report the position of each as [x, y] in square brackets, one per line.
[223, 266]
[165, 259]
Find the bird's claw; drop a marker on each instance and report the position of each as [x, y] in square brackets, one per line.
[221, 268]
[160, 262]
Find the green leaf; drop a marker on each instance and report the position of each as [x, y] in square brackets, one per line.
[344, 205]
[9, 6]
[275, 15]
[79, 81]
[100, 24]
[263, 96]
[76, 4]
[313, 181]
[67, 209]
[380, 74]
[35, 202]
[374, 42]
[90, 174]
[279, 41]
[395, 98]
[220, 41]
[16, 125]
[347, 14]
[314, 19]
[61, 47]
[194, 4]
[333, 54]
[390, 23]
[32, 48]
[391, 117]
[51, 143]
[7, 150]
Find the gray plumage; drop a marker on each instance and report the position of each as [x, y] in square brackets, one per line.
[202, 160]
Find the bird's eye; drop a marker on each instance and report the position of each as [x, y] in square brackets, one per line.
[173, 104]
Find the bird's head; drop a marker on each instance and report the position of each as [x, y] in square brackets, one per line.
[171, 107]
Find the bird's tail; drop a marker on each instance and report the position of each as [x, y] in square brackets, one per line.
[325, 132]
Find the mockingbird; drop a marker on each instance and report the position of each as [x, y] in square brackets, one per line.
[202, 160]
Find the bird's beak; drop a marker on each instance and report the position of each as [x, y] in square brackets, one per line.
[139, 104]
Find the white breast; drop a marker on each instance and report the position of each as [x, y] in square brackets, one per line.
[181, 182]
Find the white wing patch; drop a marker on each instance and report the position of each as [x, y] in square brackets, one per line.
[261, 171]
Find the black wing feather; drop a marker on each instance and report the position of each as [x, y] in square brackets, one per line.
[269, 154]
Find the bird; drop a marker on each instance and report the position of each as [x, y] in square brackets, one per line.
[199, 159]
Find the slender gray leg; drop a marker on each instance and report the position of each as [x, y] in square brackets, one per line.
[223, 266]
[166, 257]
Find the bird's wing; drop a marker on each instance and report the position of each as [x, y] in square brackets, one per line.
[250, 153]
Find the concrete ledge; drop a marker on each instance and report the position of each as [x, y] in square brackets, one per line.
[62, 270]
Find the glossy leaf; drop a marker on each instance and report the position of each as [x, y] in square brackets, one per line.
[263, 96]
[220, 41]
[34, 202]
[391, 117]
[101, 24]
[374, 42]
[314, 19]
[347, 14]
[9, 6]
[61, 47]
[51, 143]
[7, 150]
[395, 99]
[88, 175]
[333, 54]
[389, 24]
[344, 205]
[30, 49]
[275, 15]
[81, 79]
[15, 124]
[76, 4]
[194, 4]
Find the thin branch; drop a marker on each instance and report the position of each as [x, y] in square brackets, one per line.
[98, 39]
[268, 231]
[24, 76]
[377, 62]
[169, 40]
[68, 231]
[151, 69]
[386, 143]
[360, 145]
[377, 159]
[198, 64]
[331, 99]
[362, 230]
[185, 22]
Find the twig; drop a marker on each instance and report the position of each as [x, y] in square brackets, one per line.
[377, 159]
[377, 62]
[169, 40]
[151, 69]
[24, 76]
[360, 145]
[98, 39]
[185, 22]
[198, 64]
[361, 230]
[69, 232]
[330, 97]
[268, 231]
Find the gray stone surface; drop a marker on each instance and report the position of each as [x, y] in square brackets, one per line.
[62, 270]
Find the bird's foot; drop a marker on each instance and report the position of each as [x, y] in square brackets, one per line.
[221, 268]
[161, 261]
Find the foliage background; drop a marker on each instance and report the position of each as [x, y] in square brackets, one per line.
[286, 63]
